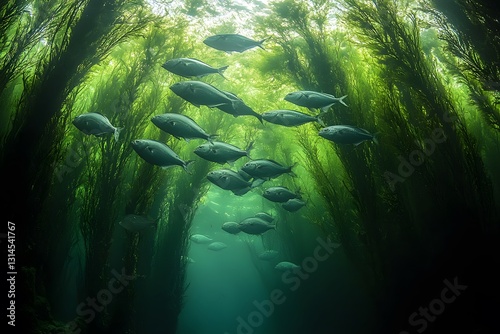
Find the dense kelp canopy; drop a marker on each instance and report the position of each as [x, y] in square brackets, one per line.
[416, 206]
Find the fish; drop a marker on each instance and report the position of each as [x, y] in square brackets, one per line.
[232, 42]
[255, 226]
[231, 227]
[217, 246]
[265, 216]
[293, 204]
[96, 124]
[285, 265]
[159, 154]
[136, 223]
[221, 152]
[279, 194]
[266, 169]
[316, 100]
[230, 180]
[238, 109]
[180, 126]
[200, 239]
[268, 255]
[191, 67]
[199, 93]
[346, 134]
[290, 118]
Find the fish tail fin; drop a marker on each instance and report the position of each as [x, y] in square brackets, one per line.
[326, 108]
[257, 182]
[187, 165]
[259, 117]
[212, 137]
[117, 133]
[319, 120]
[249, 148]
[341, 100]
[262, 41]
[221, 70]
[375, 137]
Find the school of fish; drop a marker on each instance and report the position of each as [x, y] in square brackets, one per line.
[254, 172]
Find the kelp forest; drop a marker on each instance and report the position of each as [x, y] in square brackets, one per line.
[408, 218]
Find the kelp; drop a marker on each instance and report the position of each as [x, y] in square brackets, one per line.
[470, 31]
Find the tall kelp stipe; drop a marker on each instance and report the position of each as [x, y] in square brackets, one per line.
[455, 167]
[473, 60]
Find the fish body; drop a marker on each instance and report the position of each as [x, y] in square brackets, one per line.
[136, 223]
[279, 194]
[285, 265]
[232, 42]
[266, 169]
[311, 99]
[221, 152]
[255, 226]
[180, 126]
[289, 118]
[200, 239]
[346, 134]
[157, 153]
[199, 93]
[264, 216]
[238, 108]
[293, 204]
[268, 255]
[231, 227]
[228, 179]
[191, 67]
[93, 123]
[217, 246]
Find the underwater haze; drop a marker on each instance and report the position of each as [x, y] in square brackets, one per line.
[250, 167]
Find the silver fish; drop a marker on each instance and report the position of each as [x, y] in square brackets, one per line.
[136, 223]
[180, 126]
[217, 246]
[311, 99]
[230, 180]
[222, 152]
[199, 93]
[190, 67]
[238, 109]
[95, 124]
[255, 226]
[231, 227]
[266, 169]
[285, 265]
[279, 194]
[293, 204]
[290, 118]
[346, 134]
[232, 42]
[200, 239]
[157, 153]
